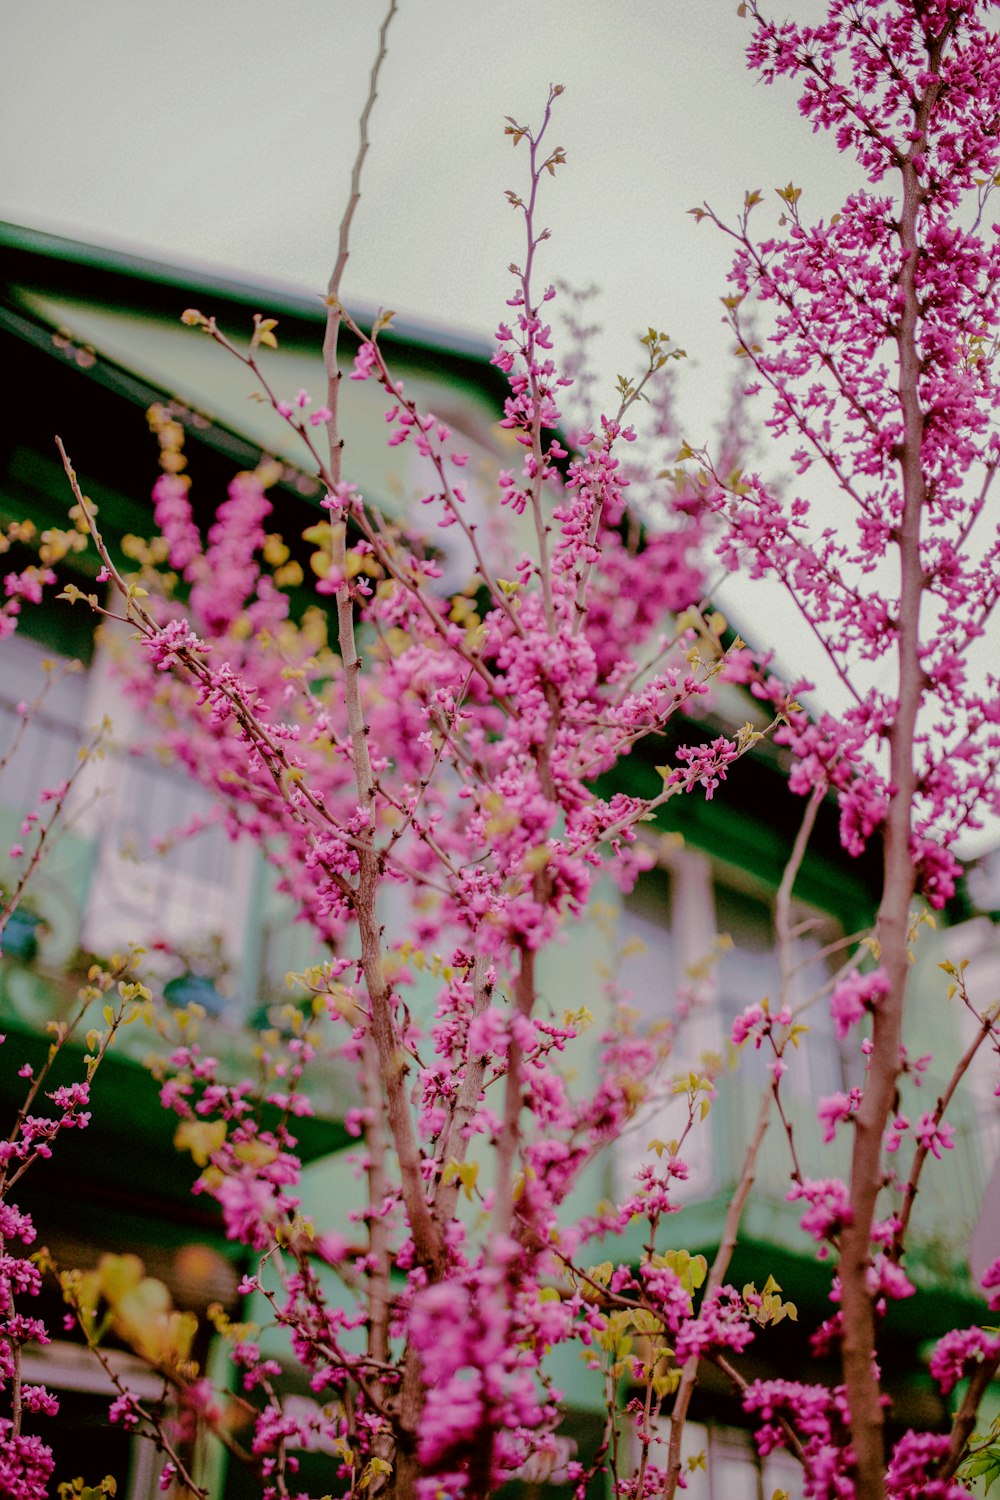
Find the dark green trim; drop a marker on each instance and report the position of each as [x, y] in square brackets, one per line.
[121, 279]
[129, 1147]
[99, 410]
[107, 374]
[767, 1246]
[752, 822]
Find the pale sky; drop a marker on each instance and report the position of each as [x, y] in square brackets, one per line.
[223, 131]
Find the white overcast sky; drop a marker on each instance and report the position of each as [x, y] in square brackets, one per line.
[223, 132]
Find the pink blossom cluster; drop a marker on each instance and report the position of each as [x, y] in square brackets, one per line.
[478, 1380]
[828, 1206]
[721, 1323]
[759, 1023]
[814, 1416]
[20, 589]
[857, 995]
[835, 1110]
[958, 1351]
[251, 1168]
[912, 1469]
[26, 1461]
[991, 1284]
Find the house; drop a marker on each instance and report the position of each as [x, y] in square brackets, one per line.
[94, 340]
[91, 340]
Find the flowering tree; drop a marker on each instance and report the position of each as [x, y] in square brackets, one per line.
[880, 366]
[424, 783]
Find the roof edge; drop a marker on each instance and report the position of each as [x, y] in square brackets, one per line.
[194, 276]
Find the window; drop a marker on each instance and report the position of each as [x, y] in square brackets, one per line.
[750, 971]
[40, 751]
[43, 747]
[83, 1440]
[128, 878]
[284, 946]
[733, 1470]
[477, 482]
[670, 951]
[974, 1113]
[665, 937]
[122, 877]
[147, 887]
[189, 893]
[647, 975]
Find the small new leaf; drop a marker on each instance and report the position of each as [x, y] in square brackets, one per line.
[263, 332]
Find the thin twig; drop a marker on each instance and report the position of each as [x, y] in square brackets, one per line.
[737, 1203]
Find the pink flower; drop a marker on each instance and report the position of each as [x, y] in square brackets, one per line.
[829, 1206]
[957, 1351]
[894, 1136]
[37, 1399]
[749, 1023]
[332, 1247]
[991, 1280]
[914, 1459]
[124, 1412]
[249, 1210]
[855, 995]
[26, 1464]
[935, 1136]
[835, 1109]
[364, 362]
